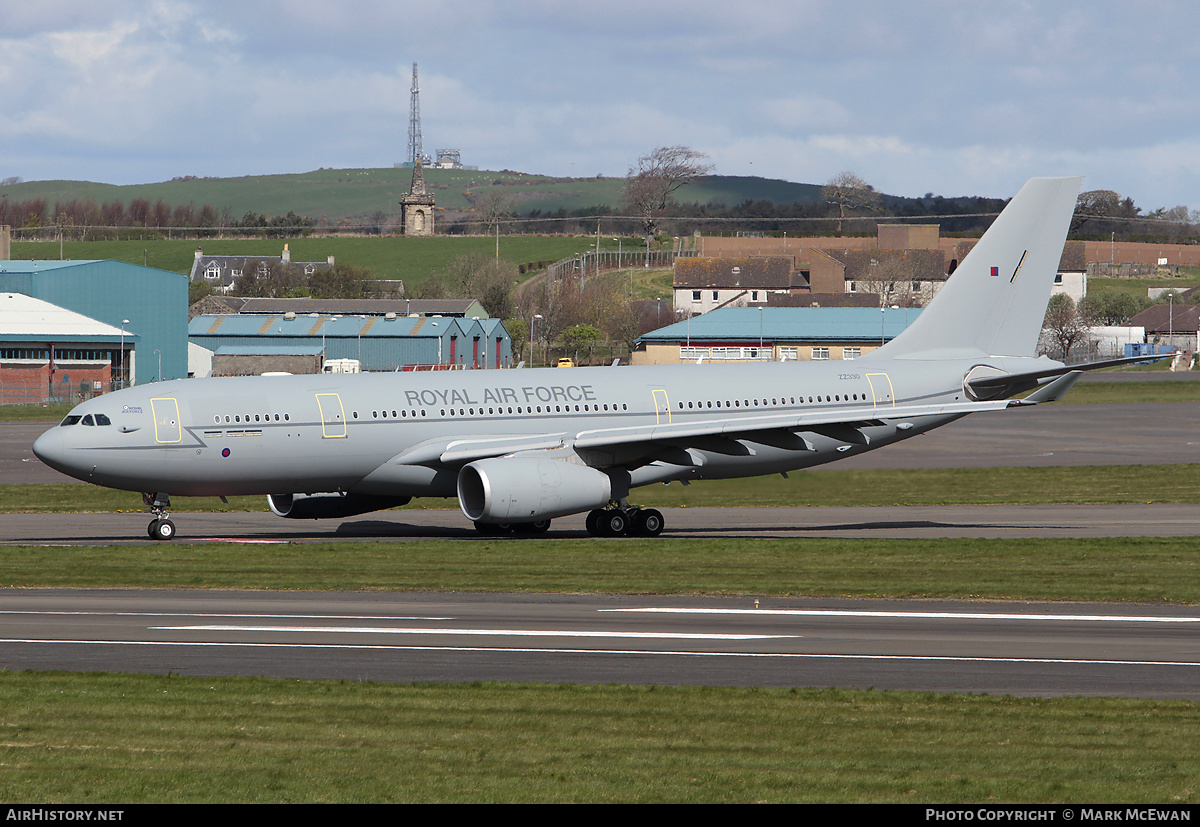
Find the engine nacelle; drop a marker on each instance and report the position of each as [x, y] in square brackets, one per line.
[528, 489]
[329, 506]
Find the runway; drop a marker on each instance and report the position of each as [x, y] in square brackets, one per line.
[1013, 521]
[1015, 649]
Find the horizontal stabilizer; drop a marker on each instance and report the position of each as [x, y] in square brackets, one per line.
[1053, 391]
[1010, 383]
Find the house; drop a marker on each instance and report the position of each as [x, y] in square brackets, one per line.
[221, 272]
[1175, 325]
[704, 284]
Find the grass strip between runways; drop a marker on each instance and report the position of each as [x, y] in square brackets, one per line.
[127, 739]
[1103, 569]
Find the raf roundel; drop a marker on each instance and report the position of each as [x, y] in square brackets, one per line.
[224, 452]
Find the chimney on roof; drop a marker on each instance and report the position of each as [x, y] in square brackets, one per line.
[199, 252]
[287, 255]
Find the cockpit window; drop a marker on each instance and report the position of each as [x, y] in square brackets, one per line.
[71, 420]
[102, 419]
[87, 420]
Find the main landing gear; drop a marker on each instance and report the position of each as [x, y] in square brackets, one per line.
[161, 527]
[523, 529]
[624, 520]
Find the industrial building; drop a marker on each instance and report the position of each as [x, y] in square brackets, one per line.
[124, 318]
[50, 353]
[378, 343]
[755, 334]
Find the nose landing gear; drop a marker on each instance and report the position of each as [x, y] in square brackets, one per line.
[161, 527]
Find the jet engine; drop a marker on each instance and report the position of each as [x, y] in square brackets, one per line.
[529, 489]
[327, 506]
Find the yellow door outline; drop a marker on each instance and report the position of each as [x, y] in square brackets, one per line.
[333, 416]
[167, 429]
[662, 406]
[881, 389]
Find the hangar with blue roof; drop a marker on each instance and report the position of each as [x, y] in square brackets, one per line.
[378, 343]
[761, 334]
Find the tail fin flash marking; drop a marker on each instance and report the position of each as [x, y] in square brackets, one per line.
[1020, 264]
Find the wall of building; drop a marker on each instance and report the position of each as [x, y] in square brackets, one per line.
[154, 301]
[676, 353]
[33, 384]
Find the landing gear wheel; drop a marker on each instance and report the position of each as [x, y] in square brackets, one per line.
[613, 524]
[648, 522]
[593, 521]
[162, 530]
[539, 527]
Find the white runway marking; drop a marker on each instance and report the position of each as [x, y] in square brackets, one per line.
[622, 652]
[918, 615]
[399, 630]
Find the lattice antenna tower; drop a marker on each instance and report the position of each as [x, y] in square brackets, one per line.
[414, 121]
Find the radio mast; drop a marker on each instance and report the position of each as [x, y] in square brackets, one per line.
[414, 121]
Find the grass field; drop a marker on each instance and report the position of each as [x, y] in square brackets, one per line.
[1117, 569]
[111, 739]
[391, 257]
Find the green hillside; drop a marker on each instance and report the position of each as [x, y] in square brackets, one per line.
[347, 194]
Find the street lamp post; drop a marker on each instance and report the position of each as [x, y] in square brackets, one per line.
[532, 361]
[121, 372]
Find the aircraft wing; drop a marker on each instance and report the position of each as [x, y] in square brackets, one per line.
[780, 430]
[717, 435]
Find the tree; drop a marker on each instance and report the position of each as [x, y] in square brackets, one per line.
[649, 188]
[1112, 307]
[474, 276]
[1065, 324]
[492, 206]
[580, 337]
[341, 281]
[847, 191]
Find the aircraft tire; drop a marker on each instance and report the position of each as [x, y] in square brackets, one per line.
[593, 521]
[538, 527]
[162, 530]
[648, 522]
[614, 524]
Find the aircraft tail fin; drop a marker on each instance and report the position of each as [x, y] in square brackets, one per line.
[994, 303]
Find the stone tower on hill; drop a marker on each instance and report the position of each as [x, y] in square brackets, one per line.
[418, 205]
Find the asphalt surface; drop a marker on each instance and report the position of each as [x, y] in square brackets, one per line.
[998, 648]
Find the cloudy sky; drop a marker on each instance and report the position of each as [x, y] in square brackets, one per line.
[957, 97]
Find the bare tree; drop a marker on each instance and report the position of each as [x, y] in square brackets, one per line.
[492, 206]
[649, 187]
[1065, 323]
[850, 193]
[892, 279]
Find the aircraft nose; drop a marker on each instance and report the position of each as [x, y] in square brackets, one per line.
[51, 449]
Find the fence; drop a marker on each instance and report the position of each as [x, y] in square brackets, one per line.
[593, 263]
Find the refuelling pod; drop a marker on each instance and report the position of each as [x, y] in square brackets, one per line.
[329, 506]
[529, 489]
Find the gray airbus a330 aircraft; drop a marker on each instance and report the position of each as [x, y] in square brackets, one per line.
[520, 447]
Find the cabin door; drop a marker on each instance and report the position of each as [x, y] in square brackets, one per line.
[333, 417]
